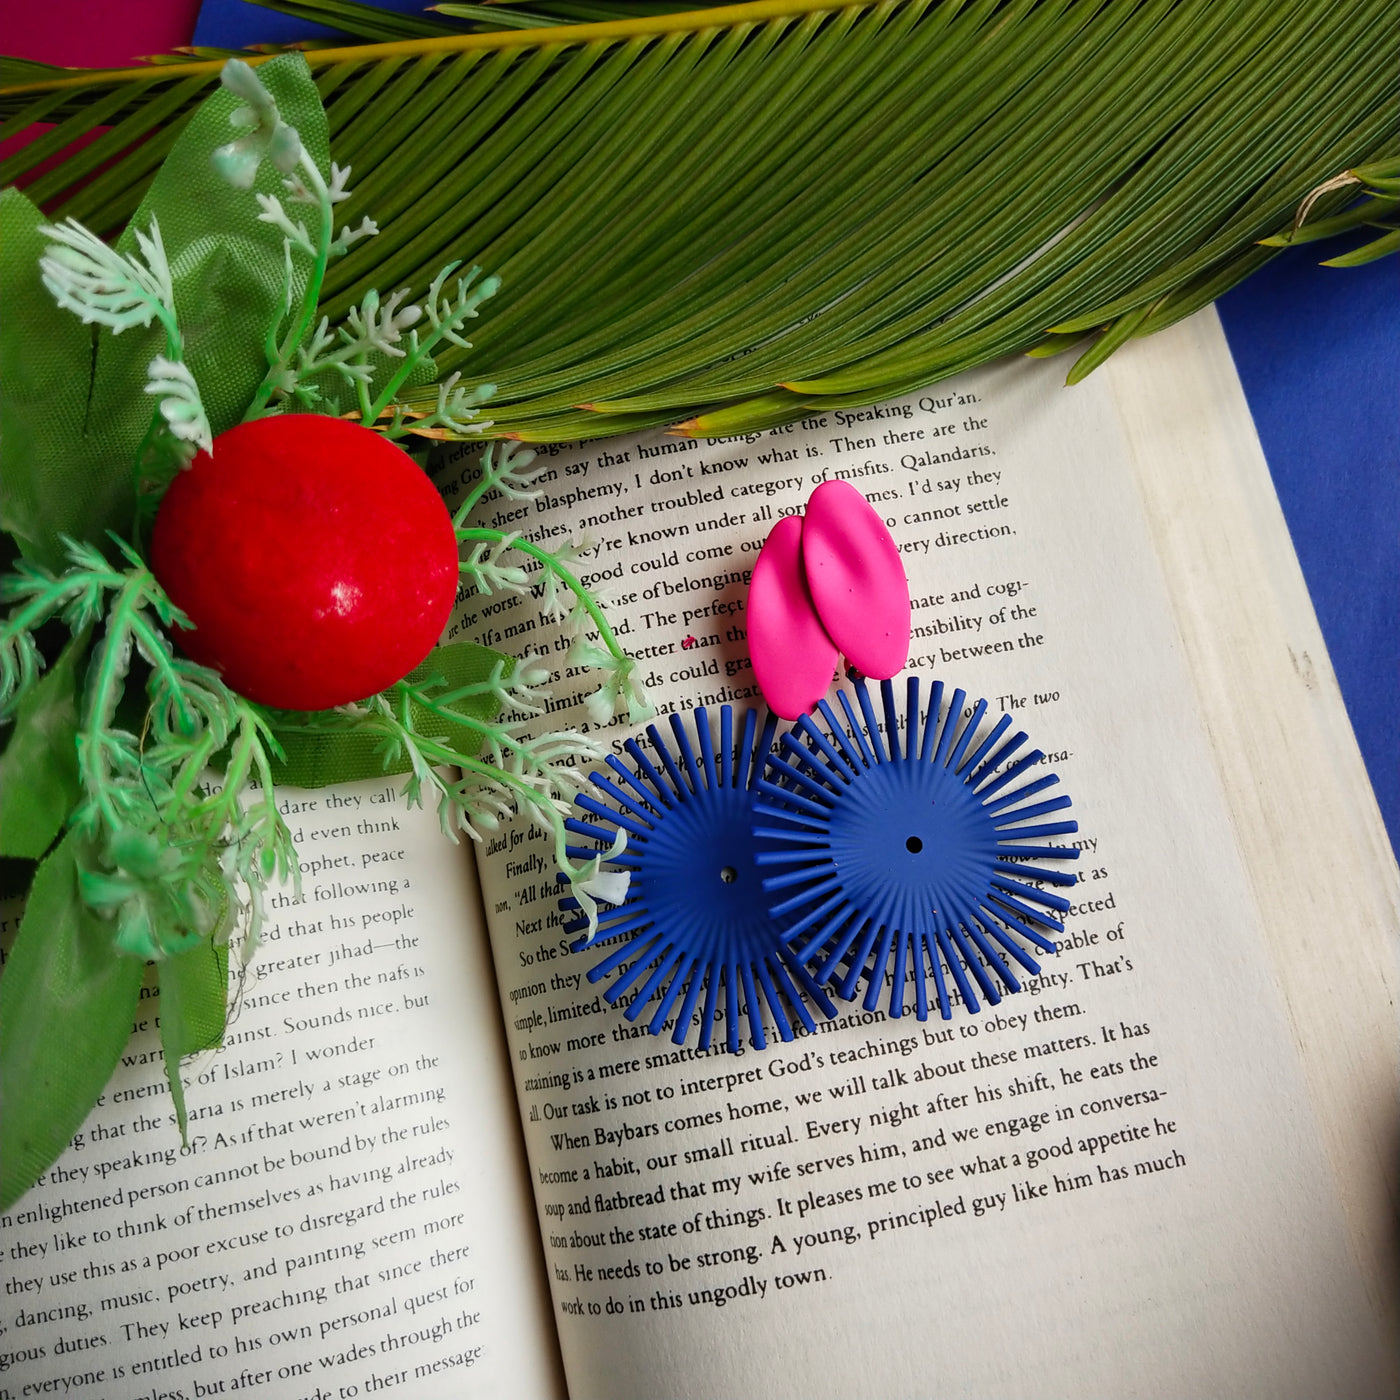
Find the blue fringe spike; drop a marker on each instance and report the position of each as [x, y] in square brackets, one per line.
[911, 866]
[693, 946]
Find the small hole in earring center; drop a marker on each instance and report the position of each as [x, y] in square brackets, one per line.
[913, 845]
[728, 874]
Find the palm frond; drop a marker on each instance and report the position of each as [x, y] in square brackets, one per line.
[740, 216]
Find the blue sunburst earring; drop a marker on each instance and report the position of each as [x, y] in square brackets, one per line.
[693, 937]
[908, 852]
[904, 854]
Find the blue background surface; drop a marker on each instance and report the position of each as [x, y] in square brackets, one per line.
[233, 24]
[1318, 352]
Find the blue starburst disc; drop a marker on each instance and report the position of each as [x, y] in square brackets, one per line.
[934, 841]
[693, 944]
[905, 850]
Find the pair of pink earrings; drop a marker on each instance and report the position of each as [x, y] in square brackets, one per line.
[826, 582]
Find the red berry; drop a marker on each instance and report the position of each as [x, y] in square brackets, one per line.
[315, 559]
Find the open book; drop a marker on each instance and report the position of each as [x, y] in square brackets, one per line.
[432, 1161]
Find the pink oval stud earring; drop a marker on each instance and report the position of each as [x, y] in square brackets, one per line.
[857, 580]
[794, 659]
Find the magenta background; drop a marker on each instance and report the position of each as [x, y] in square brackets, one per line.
[96, 33]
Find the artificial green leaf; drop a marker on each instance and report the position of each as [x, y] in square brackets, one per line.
[39, 784]
[227, 266]
[332, 749]
[67, 999]
[45, 374]
[75, 407]
[193, 1006]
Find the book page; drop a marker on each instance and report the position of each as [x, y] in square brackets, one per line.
[350, 1216]
[1268, 642]
[1113, 1183]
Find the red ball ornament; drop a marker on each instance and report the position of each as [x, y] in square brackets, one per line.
[315, 559]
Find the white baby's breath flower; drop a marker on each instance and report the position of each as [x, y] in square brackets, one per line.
[267, 136]
[99, 284]
[590, 883]
[180, 404]
[609, 886]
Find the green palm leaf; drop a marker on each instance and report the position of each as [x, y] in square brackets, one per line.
[740, 216]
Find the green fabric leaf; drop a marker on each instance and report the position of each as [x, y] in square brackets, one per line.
[66, 1004]
[341, 754]
[226, 266]
[45, 371]
[39, 769]
[75, 417]
[193, 1005]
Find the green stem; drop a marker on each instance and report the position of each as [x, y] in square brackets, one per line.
[411, 361]
[224, 805]
[270, 338]
[252, 756]
[468, 692]
[469, 722]
[438, 752]
[174, 346]
[192, 769]
[109, 673]
[266, 783]
[153, 647]
[47, 603]
[311, 293]
[536, 799]
[111, 668]
[367, 413]
[420, 351]
[175, 352]
[142, 497]
[128, 627]
[468, 505]
[489, 478]
[545, 558]
[543, 805]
